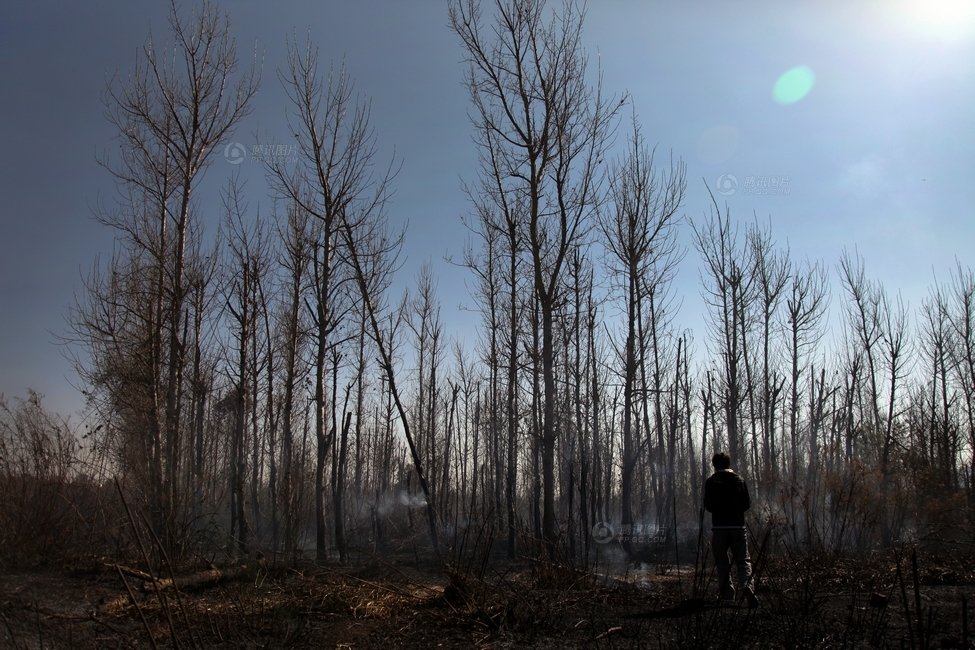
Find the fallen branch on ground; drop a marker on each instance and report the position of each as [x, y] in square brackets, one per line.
[206, 578]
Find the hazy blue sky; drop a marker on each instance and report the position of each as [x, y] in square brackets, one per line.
[879, 154]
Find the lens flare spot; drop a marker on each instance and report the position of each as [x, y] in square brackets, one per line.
[794, 85]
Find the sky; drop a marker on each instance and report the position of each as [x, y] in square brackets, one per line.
[839, 124]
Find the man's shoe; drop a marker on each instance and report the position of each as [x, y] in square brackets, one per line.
[751, 597]
[726, 597]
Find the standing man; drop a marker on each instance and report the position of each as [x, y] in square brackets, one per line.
[726, 498]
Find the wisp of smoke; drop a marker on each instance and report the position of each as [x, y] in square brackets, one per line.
[411, 500]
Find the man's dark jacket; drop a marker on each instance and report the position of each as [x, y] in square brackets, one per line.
[726, 498]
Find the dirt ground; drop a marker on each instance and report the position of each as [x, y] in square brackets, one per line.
[392, 602]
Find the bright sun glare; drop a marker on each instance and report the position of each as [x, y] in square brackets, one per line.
[943, 20]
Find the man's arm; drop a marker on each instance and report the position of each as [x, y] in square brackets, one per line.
[746, 502]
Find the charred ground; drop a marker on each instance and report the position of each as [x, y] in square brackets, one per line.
[898, 598]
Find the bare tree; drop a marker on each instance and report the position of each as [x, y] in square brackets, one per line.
[805, 305]
[488, 276]
[895, 347]
[575, 450]
[728, 291]
[864, 322]
[771, 272]
[295, 261]
[171, 113]
[372, 254]
[333, 181]
[547, 127]
[247, 266]
[332, 174]
[962, 315]
[200, 278]
[499, 226]
[937, 434]
[425, 322]
[639, 231]
[879, 329]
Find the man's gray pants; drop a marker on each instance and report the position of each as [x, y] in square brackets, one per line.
[733, 541]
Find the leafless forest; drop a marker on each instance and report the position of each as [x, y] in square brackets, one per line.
[262, 401]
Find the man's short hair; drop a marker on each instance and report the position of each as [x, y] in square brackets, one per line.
[721, 460]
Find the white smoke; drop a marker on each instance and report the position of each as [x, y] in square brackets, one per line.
[388, 502]
[411, 500]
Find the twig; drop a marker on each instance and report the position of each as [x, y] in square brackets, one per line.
[145, 557]
[165, 601]
[392, 590]
[134, 573]
[97, 621]
[964, 621]
[142, 615]
[135, 530]
[38, 610]
[917, 598]
[673, 494]
[37, 618]
[907, 607]
[13, 639]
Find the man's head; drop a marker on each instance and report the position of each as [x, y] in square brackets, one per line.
[721, 460]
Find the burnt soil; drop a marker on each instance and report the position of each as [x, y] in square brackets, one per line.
[873, 600]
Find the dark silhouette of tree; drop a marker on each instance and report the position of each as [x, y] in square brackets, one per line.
[537, 114]
[172, 112]
[639, 231]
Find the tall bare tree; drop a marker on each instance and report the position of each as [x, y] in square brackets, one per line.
[331, 175]
[499, 226]
[372, 254]
[547, 127]
[295, 261]
[805, 305]
[728, 292]
[425, 322]
[171, 112]
[962, 316]
[937, 433]
[247, 268]
[771, 273]
[879, 329]
[639, 231]
[863, 313]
